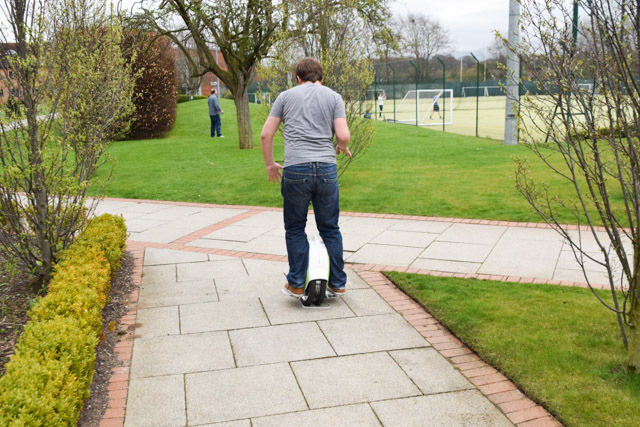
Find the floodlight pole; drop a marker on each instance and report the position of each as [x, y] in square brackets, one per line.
[375, 92]
[477, 89]
[444, 99]
[513, 77]
[393, 72]
[416, 70]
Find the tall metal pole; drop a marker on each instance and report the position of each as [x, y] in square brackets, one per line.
[444, 99]
[477, 90]
[513, 77]
[393, 73]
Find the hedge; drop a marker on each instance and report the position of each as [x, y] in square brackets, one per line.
[47, 380]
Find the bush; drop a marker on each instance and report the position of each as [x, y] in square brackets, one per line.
[183, 98]
[156, 85]
[47, 380]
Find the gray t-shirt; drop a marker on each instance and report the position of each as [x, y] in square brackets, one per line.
[308, 112]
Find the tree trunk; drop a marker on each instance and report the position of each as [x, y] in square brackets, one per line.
[245, 134]
[633, 331]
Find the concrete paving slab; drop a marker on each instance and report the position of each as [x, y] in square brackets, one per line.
[157, 322]
[352, 379]
[524, 258]
[161, 234]
[257, 267]
[366, 302]
[159, 273]
[251, 287]
[421, 226]
[527, 233]
[240, 423]
[472, 233]
[174, 212]
[283, 309]
[241, 393]
[156, 402]
[446, 266]
[431, 372]
[352, 241]
[454, 251]
[363, 225]
[283, 343]
[138, 225]
[267, 220]
[354, 281]
[218, 316]
[462, 408]
[371, 333]
[206, 217]
[180, 354]
[236, 233]
[385, 255]
[144, 207]
[359, 415]
[265, 245]
[177, 293]
[404, 238]
[567, 261]
[158, 256]
[214, 244]
[211, 270]
[596, 277]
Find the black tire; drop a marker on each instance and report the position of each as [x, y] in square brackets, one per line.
[309, 295]
[321, 291]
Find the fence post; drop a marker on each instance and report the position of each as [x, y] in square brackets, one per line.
[393, 73]
[444, 99]
[477, 89]
[416, 70]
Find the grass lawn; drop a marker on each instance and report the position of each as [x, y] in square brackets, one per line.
[408, 170]
[558, 344]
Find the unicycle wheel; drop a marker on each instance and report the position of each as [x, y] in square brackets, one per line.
[314, 293]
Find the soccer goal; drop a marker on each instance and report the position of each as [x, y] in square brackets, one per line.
[588, 87]
[418, 105]
[482, 91]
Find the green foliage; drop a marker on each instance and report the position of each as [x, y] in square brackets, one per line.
[555, 342]
[47, 380]
[154, 64]
[183, 98]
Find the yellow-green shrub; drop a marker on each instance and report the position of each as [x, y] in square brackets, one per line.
[47, 380]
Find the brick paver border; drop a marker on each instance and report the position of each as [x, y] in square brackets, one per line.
[503, 393]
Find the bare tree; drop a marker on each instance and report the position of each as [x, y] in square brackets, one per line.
[423, 37]
[594, 131]
[243, 30]
[71, 90]
[189, 77]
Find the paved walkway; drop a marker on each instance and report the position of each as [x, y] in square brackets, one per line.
[216, 341]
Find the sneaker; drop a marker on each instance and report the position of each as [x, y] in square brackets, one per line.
[292, 292]
[220, 136]
[332, 293]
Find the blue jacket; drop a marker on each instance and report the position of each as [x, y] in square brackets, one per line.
[214, 106]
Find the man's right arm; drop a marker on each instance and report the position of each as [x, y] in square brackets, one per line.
[266, 142]
[343, 136]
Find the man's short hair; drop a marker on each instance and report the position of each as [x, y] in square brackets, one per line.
[309, 70]
[213, 90]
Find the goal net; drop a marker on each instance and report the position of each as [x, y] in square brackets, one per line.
[418, 107]
[481, 91]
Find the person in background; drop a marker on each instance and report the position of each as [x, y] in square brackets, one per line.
[214, 113]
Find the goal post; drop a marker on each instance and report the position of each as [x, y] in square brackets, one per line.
[417, 107]
[481, 91]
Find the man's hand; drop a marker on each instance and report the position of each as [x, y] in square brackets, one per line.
[344, 150]
[273, 173]
[221, 112]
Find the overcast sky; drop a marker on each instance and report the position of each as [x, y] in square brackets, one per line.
[469, 23]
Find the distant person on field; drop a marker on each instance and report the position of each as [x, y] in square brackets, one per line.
[436, 107]
[312, 115]
[381, 99]
[214, 113]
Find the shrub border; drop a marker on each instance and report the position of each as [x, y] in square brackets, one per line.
[48, 378]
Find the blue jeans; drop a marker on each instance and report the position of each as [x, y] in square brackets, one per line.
[316, 183]
[215, 125]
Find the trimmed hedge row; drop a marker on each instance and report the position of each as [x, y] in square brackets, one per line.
[47, 380]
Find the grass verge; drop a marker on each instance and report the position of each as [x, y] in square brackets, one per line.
[558, 344]
[408, 170]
